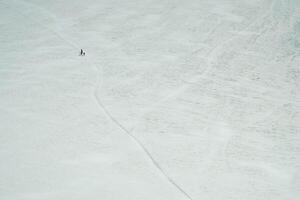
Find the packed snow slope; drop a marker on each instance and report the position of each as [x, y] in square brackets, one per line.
[174, 100]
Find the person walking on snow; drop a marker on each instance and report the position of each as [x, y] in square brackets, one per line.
[81, 52]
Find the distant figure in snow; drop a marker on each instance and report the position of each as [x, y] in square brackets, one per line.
[82, 53]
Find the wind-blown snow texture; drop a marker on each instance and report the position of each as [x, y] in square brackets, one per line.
[175, 100]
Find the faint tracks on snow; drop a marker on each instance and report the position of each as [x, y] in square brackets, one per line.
[211, 56]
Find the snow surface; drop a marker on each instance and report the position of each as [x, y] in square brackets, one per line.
[175, 100]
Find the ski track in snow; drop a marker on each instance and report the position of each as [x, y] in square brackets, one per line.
[103, 107]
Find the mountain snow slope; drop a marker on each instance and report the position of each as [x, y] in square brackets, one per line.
[174, 100]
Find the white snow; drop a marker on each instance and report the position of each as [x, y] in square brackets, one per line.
[174, 100]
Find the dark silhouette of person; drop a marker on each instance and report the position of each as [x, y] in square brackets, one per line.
[81, 52]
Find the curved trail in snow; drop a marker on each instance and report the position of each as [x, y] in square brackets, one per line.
[140, 144]
[103, 107]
